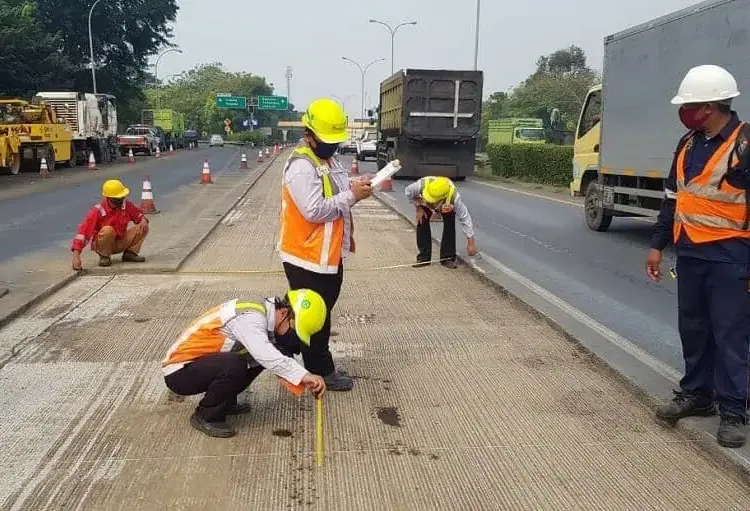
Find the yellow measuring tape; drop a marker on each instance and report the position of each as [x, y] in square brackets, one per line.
[319, 453]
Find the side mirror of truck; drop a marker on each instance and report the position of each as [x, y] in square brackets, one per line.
[370, 113]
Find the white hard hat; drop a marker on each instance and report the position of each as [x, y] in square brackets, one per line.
[703, 84]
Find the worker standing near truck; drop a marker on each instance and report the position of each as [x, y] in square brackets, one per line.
[316, 223]
[106, 226]
[706, 214]
[429, 195]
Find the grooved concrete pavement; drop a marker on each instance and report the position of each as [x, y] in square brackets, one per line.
[464, 400]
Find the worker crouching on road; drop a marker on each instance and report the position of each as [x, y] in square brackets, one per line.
[706, 214]
[316, 223]
[106, 226]
[225, 349]
[431, 194]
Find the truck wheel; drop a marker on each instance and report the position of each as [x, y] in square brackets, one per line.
[51, 158]
[596, 216]
[73, 161]
[15, 164]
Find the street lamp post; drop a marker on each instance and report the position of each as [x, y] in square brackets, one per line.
[476, 37]
[91, 46]
[392, 30]
[363, 70]
[343, 101]
[156, 73]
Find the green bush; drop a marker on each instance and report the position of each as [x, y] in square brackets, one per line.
[547, 164]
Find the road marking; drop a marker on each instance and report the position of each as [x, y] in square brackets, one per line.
[611, 336]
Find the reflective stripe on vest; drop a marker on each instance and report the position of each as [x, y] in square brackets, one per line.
[205, 336]
[451, 192]
[312, 246]
[708, 208]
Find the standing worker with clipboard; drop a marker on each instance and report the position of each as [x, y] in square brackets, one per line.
[316, 223]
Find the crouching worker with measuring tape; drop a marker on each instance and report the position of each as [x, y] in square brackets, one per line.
[224, 350]
[431, 194]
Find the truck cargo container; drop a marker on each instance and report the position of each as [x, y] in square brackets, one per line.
[430, 120]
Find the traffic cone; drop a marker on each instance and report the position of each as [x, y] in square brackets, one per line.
[171, 148]
[43, 169]
[147, 198]
[92, 161]
[260, 156]
[158, 152]
[355, 168]
[206, 174]
[275, 150]
[267, 151]
[386, 185]
[131, 156]
[243, 161]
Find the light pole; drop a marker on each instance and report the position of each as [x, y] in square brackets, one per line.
[363, 70]
[392, 30]
[91, 46]
[343, 101]
[476, 37]
[156, 73]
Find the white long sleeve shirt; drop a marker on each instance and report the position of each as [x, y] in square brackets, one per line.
[254, 331]
[414, 194]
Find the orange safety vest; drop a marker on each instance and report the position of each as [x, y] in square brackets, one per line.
[708, 208]
[312, 246]
[205, 336]
[447, 205]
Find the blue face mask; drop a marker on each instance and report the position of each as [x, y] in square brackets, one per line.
[324, 151]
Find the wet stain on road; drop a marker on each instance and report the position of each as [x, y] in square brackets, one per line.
[389, 415]
[283, 433]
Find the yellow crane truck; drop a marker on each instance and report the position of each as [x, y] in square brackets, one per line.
[30, 132]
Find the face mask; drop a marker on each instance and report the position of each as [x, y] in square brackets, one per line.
[325, 151]
[116, 203]
[693, 118]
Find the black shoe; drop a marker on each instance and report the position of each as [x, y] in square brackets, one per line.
[449, 263]
[731, 432]
[421, 264]
[214, 429]
[683, 405]
[237, 409]
[337, 382]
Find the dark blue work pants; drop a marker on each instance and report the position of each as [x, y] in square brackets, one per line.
[714, 322]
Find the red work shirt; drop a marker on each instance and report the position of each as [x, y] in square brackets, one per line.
[103, 215]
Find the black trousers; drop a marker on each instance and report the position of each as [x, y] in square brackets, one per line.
[424, 236]
[317, 357]
[222, 376]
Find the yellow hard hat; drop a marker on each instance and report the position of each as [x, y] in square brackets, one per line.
[327, 120]
[114, 189]
[309, 313]
[436, 190]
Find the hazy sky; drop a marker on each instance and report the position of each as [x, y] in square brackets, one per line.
[313, 36]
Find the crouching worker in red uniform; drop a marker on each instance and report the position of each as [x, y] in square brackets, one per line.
[225, 349]
[106, 226]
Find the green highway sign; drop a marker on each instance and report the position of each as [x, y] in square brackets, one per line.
[231, 102]
[273, 103]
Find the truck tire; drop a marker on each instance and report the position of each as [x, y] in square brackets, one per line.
[15, 164]
[597, 217]
[73, 161]
[51, 158]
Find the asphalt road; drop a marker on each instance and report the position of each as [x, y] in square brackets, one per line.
[49, 218]
[601, 274]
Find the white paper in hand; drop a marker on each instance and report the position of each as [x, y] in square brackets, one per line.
[386, 172]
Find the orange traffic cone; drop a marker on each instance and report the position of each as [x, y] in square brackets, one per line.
[147, 198]
[171, 148]
[206, 174]
[131, 156]
[43, 169]
[243, 161]
[267, 151]
[158, 152]
[92, 161]
[355, 168]
[275, 150]
[386, 185]
[260, 156]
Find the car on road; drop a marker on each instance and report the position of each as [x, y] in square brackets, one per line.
[349, 147]
[216, 140]
[367, 146]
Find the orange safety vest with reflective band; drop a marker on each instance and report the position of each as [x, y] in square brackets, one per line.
[205, 336]
[312, 246]
[447, 205]
[708, 208]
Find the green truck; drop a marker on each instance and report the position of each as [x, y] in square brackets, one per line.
[171, 125]
[516, 131]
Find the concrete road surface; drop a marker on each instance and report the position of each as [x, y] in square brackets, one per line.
[546, 240]
[46, 219]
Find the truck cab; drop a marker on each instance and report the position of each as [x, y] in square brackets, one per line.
[367, 145]
[516, 131]
[587, 143]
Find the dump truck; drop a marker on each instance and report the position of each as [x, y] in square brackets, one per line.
[30, 132]
[516, 131]
[93, 120]
[430, 121]
[628, 129]
[171, 125]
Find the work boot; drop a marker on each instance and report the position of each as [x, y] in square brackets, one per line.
[237, 409]
[105, 261]
[338, 382]
[449, 263]
[685, 404]
[132, 257]
[421, 264]
[731, 432]
[214, 429]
